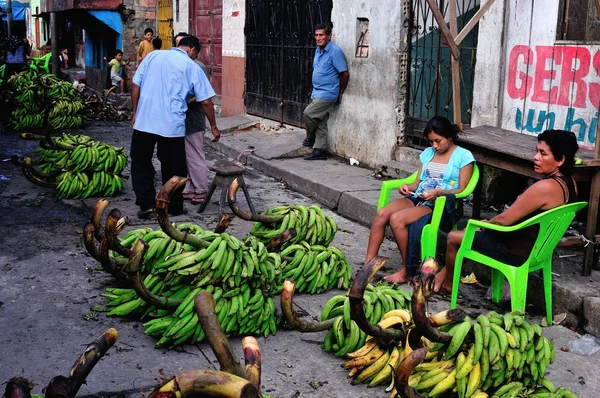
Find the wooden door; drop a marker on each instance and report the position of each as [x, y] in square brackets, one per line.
[165, 23]
[208, 23]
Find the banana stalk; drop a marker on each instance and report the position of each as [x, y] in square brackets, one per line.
[404, 370]
[276, 242]
[253, 360]
[30, 174]
[18, 387]
[62, 387]
[88, 243]
[246, 215]
[108, 265]
[97, 214]
[113, 226]
[357, 313]
[133, 269]
[419, 313]
[290, 316]
[204, 303]
[206, 383]
[162, 204]
[223, 224]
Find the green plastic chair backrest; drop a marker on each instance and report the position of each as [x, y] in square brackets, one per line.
[471, 184]
[553, 224]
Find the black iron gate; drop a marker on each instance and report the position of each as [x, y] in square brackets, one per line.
[430, 77]
[279, 51]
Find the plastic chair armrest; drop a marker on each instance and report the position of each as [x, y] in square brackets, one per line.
[388, 186]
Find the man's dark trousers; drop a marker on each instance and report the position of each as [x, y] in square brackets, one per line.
[171, 154]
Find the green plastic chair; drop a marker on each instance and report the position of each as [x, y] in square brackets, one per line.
[41, 63]
[553, 224]
[2, 68]
[430, 231]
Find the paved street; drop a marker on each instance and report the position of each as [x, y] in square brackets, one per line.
[48, 284]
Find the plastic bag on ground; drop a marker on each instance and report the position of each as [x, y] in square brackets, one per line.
[587, 345]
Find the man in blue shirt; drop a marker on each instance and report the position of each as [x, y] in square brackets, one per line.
[162, 84]
[330, 78]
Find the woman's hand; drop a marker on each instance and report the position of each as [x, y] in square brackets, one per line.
[404, 190]
[431, 194]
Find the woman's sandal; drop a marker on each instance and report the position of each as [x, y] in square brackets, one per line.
[199, 198]
[189, 196]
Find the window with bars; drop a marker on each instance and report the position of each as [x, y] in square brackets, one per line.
[578, 20]
[362, 45]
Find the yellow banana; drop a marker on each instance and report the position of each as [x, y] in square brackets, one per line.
[404, 314]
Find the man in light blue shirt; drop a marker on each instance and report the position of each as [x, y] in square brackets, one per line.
[330, 78]
[162, 84]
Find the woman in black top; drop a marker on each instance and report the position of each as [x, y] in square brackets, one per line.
[554, 160]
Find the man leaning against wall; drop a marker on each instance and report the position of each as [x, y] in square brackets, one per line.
[330, 78]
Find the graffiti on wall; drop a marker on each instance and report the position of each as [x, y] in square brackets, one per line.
[554, 86]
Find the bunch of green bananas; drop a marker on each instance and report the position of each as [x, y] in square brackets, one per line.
[372, 363]
[485, 354]
[97, 156]
[76, 184]
[51, 160]
[316, 268]
[346, 336]
[241, 276]
[310, 223]
[547, 390]
[43, 101]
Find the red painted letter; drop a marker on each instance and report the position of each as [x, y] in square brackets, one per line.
[543, 74]
[522, 90]
[575, 66]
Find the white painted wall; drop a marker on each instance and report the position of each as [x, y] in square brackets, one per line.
[234, 17]
[545, 83]
[365, 126]
[181, 16]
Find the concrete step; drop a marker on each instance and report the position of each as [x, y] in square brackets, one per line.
[396, 169]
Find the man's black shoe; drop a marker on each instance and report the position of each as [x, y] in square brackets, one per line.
[317, 154]
[146, 213]
[307, 142]
[177, 212]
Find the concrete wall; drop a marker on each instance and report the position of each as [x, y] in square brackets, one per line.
[541, 83]
[233, 84]
[181, 16]
[367, 123]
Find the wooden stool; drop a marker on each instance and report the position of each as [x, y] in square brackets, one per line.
[225, 175]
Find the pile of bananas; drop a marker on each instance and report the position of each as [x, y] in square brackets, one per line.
[483, 355]
[372, 363]
[346, 336]
[547, 390]
[310, 223]
[41, 101]
[82, 167]
[241, 276]
[316, 268]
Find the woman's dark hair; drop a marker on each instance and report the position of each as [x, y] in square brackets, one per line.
[441, 126]
[562, 144]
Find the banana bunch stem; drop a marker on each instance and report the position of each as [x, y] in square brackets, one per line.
[107, 262]
[206, 383]
[112, 228]
[67, 387]
[419, 312]
[253, 360]
[97, 214]
[276, 242]
[223, 223]
[133, 269]
[404, 370]
[162, 204]
[290, 316]
[357, 313]
[18, 387]
[246, 215]
[204, 303]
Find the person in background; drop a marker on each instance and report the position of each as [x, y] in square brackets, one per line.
[157, 43]
[116, 72]
[553, 160]
[329, 79]
[446, 168]
[65, 58]
[161, 87]
[195, 157]
[145, 46]
[17, 51]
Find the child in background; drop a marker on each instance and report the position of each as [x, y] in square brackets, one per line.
[145, 47]
[65, 58]
[116, 72]
[157, 43]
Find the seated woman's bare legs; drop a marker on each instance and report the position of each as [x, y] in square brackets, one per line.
[443, 280]
[382, 218]
[398, 222]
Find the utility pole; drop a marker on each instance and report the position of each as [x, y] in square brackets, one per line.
[54, 43]
[9, 16]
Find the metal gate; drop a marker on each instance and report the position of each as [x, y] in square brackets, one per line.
[280, 46]
[430, 77]
[165, 23]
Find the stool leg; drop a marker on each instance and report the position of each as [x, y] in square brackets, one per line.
[222, 202]
[204, 203]
[247, 195]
